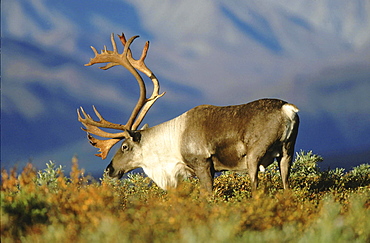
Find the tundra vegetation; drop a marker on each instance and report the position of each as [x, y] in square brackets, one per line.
[322, 206]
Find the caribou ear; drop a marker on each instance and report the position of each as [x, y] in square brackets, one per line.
[135, 135]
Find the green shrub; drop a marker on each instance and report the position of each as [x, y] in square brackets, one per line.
[49, 176]
[359, 176]
[26, 209]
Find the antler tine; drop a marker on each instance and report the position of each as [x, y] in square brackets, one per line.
[101, 123]
[139, 64]
[114, 45]
[92, 127]
[95, 52]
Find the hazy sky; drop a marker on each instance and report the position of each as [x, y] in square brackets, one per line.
[315, 54]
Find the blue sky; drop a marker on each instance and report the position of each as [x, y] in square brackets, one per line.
[315, 54]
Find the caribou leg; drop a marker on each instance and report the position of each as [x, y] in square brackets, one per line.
[205, 172]
[285, 163]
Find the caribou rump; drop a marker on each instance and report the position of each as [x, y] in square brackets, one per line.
[199, 142]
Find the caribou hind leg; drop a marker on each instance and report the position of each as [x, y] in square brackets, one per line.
[285, 162]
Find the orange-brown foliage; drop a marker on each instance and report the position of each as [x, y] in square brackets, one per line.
[136, 210]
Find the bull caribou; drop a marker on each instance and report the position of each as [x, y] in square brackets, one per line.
[199, 142]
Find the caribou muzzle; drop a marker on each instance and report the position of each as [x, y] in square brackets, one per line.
[114, 173]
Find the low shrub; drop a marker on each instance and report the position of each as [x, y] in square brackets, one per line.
[323, 206]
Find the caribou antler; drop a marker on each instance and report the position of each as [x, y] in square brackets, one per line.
[113, 58]
[140, 65]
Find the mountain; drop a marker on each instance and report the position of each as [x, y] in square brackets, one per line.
[313, 54]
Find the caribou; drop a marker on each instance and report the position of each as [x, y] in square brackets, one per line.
[200, 142]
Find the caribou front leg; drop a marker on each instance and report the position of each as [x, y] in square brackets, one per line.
[205, 172]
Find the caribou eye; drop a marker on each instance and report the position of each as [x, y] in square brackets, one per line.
[124, 147]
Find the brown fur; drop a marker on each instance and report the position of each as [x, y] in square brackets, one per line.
[240, 137]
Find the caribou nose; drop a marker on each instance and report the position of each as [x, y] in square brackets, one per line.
[112, 172]
[110, 169]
